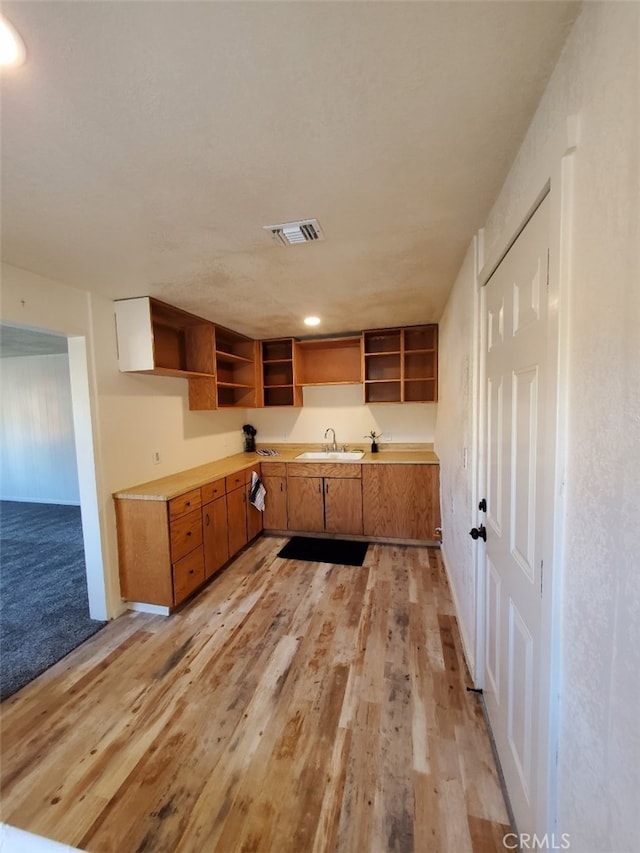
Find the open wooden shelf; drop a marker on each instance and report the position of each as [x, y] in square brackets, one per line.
[401, 365]
[329, 361]
[278, 373]
[236, 369]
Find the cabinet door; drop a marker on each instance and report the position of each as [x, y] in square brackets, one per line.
[275, 503]
[342, 505]
[254, 516]
[214, 531]
[237, 519]
[401, 501]
[305, 503]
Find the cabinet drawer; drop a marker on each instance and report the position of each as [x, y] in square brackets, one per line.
[184, 504]
[186, 534]
[235, 480]
[274, 469]
[213, 490]
[188, 575]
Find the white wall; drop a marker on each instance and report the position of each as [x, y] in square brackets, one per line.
[37, 446]
[454, 442]
[341, 407]
[597, 80]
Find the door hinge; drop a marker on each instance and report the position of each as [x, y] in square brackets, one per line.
[541, 574]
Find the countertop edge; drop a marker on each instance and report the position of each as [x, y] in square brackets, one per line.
[173, 485]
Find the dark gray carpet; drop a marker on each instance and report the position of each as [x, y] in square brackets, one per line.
[44, 609]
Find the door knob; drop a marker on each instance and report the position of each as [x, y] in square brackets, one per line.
[478, 532]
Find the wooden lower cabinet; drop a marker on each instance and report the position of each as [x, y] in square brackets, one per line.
[274, 479]
[342, 505]
[330, 504]
[254, 515]
[144, 551]
[214, 535]
[243, 519]
[305, 502]
[168, 548]
[237, 519]
[401, 501]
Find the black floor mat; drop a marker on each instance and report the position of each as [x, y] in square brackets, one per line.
[342, 552]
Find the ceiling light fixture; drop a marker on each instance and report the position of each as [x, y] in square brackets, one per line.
[312, 321]
[12, 50]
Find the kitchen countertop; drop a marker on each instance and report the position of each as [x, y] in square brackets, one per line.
[166, 488]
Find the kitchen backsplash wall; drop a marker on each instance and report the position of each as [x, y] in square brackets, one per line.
[341, 407]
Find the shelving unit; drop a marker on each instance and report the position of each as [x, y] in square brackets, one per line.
[278, 371]
[226, 369]
[235, 369]
[401, 365]
[157, 338]
[420, 367]
[382, 368]
[329, 361]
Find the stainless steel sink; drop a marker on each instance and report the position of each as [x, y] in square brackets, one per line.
[331, 455]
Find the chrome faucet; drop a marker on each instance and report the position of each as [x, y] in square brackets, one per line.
[334, 446]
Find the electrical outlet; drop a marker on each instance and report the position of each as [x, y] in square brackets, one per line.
[156, 457]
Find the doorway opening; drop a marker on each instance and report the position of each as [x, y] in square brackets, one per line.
[50, 601]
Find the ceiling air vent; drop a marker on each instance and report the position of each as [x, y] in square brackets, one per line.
[290, 233]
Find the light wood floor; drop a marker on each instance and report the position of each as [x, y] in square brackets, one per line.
[290, 707]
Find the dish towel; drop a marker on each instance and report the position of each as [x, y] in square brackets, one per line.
[257, 493]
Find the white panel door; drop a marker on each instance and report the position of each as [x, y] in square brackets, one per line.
[516, 679]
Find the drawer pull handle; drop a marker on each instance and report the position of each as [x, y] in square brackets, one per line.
[188, 533]
[188, 503]
[208, 519]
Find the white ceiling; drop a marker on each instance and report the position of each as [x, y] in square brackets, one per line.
[145, 145]
[15, 342]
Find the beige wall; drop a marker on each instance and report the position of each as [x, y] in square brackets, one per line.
[341, 407]
[598, 594]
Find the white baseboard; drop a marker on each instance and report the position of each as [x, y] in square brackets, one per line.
[467, 648]
[141, 607]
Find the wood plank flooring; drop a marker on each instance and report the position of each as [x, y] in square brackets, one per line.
[291, 706]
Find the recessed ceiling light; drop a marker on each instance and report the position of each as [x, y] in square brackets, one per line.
[312, 321]
[12, 51]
